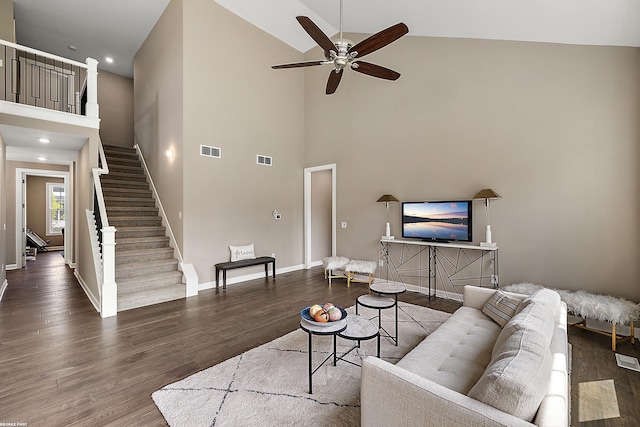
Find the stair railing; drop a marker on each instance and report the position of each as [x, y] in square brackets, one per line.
[106, 242]
[39, 79]
[189, 272]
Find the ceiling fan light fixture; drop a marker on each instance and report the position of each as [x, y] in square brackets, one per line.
[342, 52]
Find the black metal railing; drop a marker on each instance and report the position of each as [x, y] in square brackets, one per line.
[41, 80]
[98, 218]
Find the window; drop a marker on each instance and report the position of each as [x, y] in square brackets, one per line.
[55, 208]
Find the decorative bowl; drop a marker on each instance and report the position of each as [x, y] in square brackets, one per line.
[305, 315]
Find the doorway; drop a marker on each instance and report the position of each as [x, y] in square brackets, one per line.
[316, 197]
[65, 213]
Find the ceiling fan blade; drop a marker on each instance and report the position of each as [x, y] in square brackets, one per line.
[375, 70]
[298, 64]
[316, 34]
[334, 81]
[380, 40]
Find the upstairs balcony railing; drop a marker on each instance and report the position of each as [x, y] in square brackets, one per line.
[39, 79]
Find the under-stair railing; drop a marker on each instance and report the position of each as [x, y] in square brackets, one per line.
[104, 250]
[189, 272]
[39, 79]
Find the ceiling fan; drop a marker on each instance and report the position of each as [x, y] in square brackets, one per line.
[343, 53]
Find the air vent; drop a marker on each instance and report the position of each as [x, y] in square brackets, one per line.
[208, 151]
[264, 160]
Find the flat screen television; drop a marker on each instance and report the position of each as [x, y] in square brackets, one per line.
[445, 221]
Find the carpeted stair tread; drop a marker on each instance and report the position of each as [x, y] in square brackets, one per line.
[129, 301]
[143, 255]
[142, 231]
[116, 191]
[107, 183]
[135, 220]
[137, 270]
[153, 242]
[125, 176]
[130, 284]
[114, 201]
[131, 211]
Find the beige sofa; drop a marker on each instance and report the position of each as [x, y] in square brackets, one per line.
[471, 371]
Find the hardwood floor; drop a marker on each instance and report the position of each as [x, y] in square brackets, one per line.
[61, 364]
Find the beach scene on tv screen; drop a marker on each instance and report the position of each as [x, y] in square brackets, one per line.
[446, 221]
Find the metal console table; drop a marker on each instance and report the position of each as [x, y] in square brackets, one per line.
[445, 267]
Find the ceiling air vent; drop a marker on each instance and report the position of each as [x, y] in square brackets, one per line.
[208, 151]
[264, 160]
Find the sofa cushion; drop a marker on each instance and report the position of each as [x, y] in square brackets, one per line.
[535, 312]
[501, 307]
[456, 354]
[516, 380]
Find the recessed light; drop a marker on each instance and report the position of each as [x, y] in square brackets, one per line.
[109, 59]
[72, 47]
[42, 159]
[44, 140]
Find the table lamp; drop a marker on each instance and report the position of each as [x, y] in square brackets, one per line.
[386, 199]
[487, 194]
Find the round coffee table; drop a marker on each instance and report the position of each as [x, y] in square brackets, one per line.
[386, 292]
[359, 329]
[334, 328]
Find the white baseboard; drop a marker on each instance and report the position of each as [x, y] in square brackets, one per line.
[95, 301]
[12, 267]
[3, 288]
[247, 277]
[316, 263]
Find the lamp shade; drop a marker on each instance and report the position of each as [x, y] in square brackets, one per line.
[387, 198]
[486, 193]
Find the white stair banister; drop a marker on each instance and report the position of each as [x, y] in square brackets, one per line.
[92, 88]
[109, 300]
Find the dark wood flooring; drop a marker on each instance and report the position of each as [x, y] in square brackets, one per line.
[61, 364]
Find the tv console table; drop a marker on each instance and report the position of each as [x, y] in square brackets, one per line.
[445, 267]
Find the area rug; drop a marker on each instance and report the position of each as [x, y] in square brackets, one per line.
[268, 385]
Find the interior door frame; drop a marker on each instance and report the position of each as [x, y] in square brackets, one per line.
[21, 175]
[307, 211]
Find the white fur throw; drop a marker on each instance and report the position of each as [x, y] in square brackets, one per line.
[603, 308]
[358, 266]
[335, 262]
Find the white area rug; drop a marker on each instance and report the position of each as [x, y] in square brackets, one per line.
[269, 385]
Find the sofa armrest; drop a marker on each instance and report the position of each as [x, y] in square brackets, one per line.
[477, 297]
[394, 396]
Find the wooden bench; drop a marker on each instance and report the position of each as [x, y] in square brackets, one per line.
[230, 265]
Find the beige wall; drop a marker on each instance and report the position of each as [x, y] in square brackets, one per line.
[194, 94]
[7, 27]
[87, 160]
[37, 207]
[554, 129]
[158, 112]
[235, 101]
[115, 97]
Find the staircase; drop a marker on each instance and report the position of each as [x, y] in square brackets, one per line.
[146, 271]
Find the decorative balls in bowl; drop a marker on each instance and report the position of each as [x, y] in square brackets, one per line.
[323, 313]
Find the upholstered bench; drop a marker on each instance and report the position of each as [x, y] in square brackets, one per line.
[360, 267]
[601, 308]
[332, 264]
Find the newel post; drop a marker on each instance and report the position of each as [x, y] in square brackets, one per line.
[92, 88]
[109, 287]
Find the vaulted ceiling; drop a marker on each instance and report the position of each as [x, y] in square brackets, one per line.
[78, 29]
[117, 28]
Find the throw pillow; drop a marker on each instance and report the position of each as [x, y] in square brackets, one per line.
[501, 308]
[516, 381]
[242, 252]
